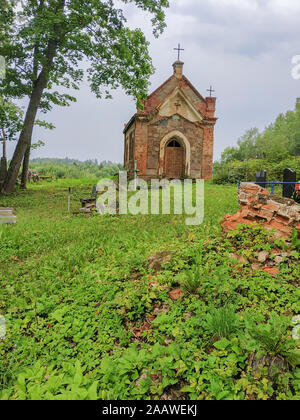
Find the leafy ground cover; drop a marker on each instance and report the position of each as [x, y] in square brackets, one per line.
[89, 317]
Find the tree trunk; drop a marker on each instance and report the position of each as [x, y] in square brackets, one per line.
[26, 134]
[4, 144]
[3, 161]
[3, 170]
[39, 86]
[24, 177]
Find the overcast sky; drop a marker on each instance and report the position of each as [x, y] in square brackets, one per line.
[243, 48]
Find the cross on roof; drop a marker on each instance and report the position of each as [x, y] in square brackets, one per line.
[210, 90]
[178, 49]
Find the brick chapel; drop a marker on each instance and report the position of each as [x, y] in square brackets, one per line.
[173, 137]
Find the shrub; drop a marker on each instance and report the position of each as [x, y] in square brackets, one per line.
[273, 338]
[222, 322]
[191, 281]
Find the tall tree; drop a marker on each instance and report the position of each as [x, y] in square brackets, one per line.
[48, 44]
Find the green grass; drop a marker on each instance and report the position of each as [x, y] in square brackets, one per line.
[86, 317]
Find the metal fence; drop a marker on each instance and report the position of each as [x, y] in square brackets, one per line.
[272, 183]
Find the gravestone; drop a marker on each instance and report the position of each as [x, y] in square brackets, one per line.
[289, 176]
[261, 178]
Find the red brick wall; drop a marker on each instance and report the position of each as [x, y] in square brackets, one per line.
[207, 152]
[158, 129]
[141, 146]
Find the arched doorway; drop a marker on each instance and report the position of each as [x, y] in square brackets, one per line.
[174, 159]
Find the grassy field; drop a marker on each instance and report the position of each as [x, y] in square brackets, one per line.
[87, 318]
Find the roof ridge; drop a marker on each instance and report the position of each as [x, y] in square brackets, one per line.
[193, 87]
[159, 87]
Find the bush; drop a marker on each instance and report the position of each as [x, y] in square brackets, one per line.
[191, 280]
[272, 337]
[222, 322]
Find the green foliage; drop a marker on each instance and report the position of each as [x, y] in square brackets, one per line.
[247, 170]
[251, 236]
[10, 120]
[191, 280]
[48, 44]
[275, 149]
[87, 318]
[73, 32]
[47, 383]
[74, 169]
[246, 150]
[222, 322]
[272, 337]
[139, 372]
[295, 240]
[277, 142]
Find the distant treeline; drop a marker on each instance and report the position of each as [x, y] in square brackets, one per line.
[72, 168]
[274, 149]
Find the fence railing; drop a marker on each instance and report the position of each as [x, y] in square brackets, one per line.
[272, 183]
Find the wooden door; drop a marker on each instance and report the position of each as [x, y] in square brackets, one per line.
[174, 160]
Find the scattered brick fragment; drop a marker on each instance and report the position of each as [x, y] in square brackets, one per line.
[175, 294]
[258, 205]
[271, 270]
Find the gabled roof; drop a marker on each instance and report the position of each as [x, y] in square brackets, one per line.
[177, 92]
[193, 88]
[201, 106]
[160, 87]
[185, 79]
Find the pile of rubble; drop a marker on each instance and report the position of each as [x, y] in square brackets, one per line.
[258, 205]
[88, 207]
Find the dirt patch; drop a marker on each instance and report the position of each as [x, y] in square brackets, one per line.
[157, 261]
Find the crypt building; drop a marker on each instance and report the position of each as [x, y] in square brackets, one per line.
[173, 137]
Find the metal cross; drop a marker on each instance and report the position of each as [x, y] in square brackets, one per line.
[178, 49]
[210, 90]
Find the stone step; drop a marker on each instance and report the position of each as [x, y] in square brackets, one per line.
[7, 216]
[6, 213]
[8, 222]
